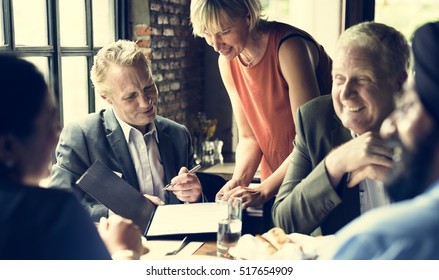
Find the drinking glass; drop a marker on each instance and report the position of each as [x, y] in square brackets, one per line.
[229, 226]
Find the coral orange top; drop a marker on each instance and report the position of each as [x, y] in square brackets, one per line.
[265, 99]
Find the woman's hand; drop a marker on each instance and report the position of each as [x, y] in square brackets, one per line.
[231, 184]
[251, 196]
[120, 234]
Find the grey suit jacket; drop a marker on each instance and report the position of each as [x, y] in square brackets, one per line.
[99, 136]
[306, 199]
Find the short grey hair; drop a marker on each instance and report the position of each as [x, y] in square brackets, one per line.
[120, 53]
[385, 42]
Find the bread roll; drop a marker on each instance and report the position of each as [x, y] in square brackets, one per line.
[272, 240]
[277, 237]
[267, 246]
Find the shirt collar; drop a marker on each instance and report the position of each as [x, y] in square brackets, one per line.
[353, 134]
[126, 128]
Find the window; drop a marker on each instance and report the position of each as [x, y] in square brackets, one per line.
[61, 37]
[320, 18]
[406, 15]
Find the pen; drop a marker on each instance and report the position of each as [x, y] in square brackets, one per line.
[193, 170]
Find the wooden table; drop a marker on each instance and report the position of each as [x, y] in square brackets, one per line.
[207, 249]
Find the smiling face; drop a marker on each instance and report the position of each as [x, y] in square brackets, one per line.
[231, 40]
[362, 91]
[133, 94]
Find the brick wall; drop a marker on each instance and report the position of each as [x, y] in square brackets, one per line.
[176, 58]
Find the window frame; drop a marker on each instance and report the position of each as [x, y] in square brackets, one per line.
[54, 52]
[357, 11]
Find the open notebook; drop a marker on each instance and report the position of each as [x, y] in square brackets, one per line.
[199, 220]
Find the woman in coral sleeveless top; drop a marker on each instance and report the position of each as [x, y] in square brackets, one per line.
[269, 69]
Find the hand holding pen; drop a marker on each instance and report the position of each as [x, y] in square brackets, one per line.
[193, 170]
[186, 185]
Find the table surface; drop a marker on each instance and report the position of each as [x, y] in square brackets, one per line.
[207, 249]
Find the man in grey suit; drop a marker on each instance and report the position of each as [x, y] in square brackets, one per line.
[145, 149]
[339, 160]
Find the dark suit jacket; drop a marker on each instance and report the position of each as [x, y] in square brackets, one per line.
[99, 136]
[306, 199]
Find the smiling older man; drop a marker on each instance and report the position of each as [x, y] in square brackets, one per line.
[408, 229]
[339, 160]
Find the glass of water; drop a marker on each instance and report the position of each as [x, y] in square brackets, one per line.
[229, 226]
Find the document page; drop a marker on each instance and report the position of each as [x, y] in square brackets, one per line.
[185, 219]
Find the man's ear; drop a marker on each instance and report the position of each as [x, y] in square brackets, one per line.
[107, 98]
[401, 80]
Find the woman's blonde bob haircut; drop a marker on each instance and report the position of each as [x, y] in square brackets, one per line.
[206, 15]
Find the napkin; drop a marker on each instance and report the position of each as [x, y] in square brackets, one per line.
[251, 248]
[298, 247]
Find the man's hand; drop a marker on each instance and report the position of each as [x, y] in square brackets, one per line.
[186, 186]
[363, 156]
[154, 199]
[374, 172]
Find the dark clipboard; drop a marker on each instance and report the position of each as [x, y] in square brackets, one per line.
[105, 186]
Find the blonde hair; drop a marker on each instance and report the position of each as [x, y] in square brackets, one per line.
[206, 15]
[121, 53]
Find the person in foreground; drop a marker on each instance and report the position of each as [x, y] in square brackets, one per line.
[38, 223]
[409, 228]
[146, 149]
[269, 69]
[339, 160]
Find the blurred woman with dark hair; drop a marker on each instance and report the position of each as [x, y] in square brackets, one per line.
[40, 223]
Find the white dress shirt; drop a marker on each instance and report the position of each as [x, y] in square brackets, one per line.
[372, 193]
[146, 158]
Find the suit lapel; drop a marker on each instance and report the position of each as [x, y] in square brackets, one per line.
[349, 196]
[117, 142]
[166, 153]
[340, 134]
